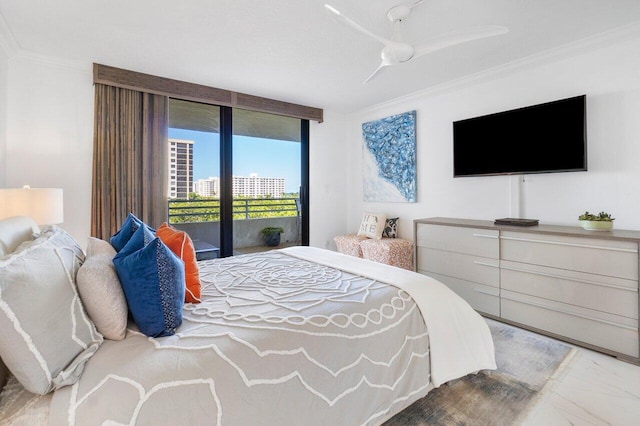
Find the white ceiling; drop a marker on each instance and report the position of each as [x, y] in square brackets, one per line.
[294, 50]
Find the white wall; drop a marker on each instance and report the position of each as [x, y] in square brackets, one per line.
[4, 75]
[50, 133]
[50, 144]
[608, 76]
[327, 176]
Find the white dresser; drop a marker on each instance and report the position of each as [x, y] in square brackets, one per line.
[576, 285]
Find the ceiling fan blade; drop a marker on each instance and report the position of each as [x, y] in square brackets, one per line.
[383, 64]
[374, 73]
[415, 3]
[355, 25]
[458, 37]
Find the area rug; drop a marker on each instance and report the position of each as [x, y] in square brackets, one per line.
[526, 361]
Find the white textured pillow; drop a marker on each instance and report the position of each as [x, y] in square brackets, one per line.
[101, 292]
[372, 225]
[46, 335]
[96, 246]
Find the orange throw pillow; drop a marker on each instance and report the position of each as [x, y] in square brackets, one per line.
[180, 243]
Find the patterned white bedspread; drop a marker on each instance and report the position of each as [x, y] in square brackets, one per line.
[277, 340]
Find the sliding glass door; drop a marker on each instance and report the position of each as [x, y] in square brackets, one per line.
[267, 170]
[235, 174]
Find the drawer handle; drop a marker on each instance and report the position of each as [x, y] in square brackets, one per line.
[564, 311]
[485, 236]
[557, 243]
[491, 265]
[483, 291]
[578, 280]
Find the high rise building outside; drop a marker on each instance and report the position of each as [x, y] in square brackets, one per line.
[252, 186]
[180, 168]
[207, 187]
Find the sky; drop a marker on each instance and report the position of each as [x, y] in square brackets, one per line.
[266, 157]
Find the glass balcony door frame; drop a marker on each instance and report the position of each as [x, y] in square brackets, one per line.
[226, 181]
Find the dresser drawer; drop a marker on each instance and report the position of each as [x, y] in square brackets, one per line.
[464, 266]
[478, 242]
[598, 256]
[607, 331]
[482, 298]
[602, 293]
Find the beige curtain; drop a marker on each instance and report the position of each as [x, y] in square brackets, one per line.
[130, 163]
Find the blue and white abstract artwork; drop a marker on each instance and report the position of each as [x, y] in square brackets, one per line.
[389, 159]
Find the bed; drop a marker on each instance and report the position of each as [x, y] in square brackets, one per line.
[292, 336]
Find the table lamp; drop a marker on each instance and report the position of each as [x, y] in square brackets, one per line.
[43, 205]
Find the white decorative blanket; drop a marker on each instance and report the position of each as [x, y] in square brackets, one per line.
[288, 337]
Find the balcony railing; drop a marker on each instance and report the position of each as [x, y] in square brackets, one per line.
[208, 210]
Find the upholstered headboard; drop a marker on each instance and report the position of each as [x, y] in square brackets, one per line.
[13, 231]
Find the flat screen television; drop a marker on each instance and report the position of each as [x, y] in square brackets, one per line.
[545, 138]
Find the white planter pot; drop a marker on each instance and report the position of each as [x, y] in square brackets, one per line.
[596, 225]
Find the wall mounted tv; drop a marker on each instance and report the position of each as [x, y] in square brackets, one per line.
[545, 138]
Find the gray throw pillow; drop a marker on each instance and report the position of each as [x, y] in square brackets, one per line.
[101, 292]
[46, 336]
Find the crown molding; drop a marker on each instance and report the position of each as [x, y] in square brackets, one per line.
[54, 62]
[589, 44]
[13, 50]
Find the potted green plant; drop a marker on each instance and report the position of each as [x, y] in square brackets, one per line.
[600, 222]
[271, 235]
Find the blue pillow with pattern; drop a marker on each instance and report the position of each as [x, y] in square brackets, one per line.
[129, 226]
[152, 279]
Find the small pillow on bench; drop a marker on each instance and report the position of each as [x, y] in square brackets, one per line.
[372, 225]
[391, 228]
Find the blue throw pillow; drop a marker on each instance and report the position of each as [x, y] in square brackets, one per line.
[129, 226]
[152, 278]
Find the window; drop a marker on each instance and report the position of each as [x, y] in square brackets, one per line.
[260, 184]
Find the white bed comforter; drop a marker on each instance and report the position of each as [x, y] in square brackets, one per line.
[299, 336]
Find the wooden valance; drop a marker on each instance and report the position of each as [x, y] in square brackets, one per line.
[118, 77]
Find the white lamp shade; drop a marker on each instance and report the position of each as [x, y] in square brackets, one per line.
[43, 205]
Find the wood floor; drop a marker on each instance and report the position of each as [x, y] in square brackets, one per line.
[591, 389]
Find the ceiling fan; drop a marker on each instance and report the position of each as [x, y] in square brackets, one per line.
[396, 51]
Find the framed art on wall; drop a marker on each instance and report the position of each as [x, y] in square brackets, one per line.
[389, 158]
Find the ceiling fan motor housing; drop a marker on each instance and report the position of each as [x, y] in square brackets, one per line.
[396, 53]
